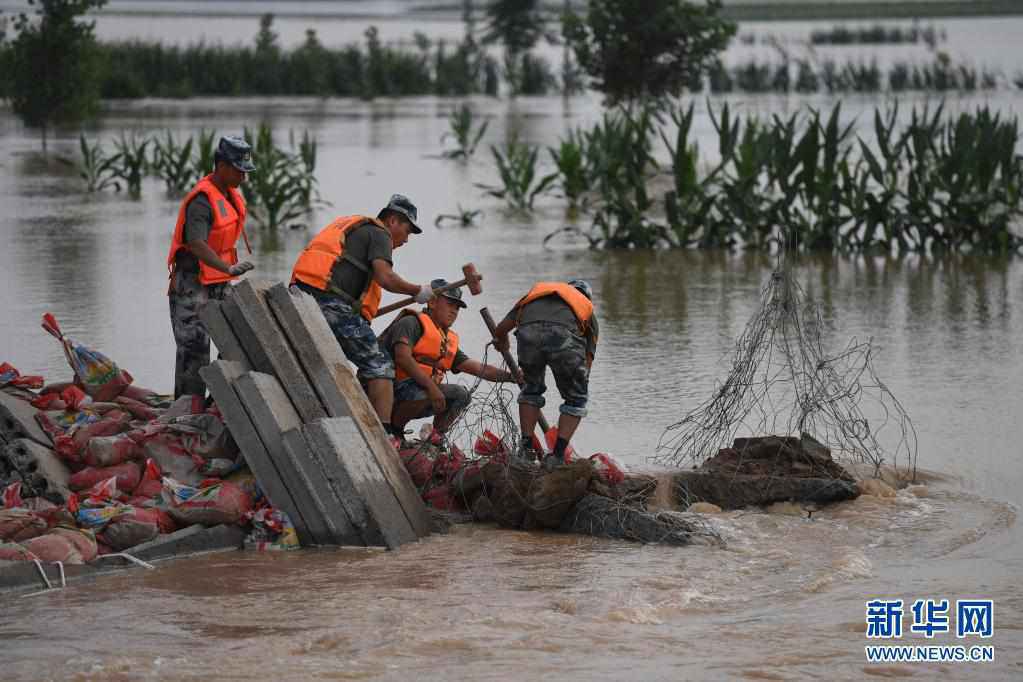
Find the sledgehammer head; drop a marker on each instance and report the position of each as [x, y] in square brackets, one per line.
[473, 279]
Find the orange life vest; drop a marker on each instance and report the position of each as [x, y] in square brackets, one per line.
[317, 260]
[434, 352]
[228, 225]
[581, 306]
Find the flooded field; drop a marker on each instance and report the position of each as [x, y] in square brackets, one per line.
[784, 599]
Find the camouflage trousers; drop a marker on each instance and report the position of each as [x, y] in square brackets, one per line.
[546, 344]
[355, 336]
[455, 395]
[188, 298]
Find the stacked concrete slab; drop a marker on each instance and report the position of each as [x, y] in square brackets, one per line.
[304, 424]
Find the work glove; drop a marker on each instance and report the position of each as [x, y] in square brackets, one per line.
[425, 294]
[240, 268]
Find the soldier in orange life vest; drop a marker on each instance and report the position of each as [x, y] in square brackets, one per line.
[556, 329]
[203, 257]
[345, 268]
[424, 347]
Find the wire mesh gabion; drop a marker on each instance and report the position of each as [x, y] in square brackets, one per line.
[782, 382]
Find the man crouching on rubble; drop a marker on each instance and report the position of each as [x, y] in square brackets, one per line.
[424, 348]
[556, 329]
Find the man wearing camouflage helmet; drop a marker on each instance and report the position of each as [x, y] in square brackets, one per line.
[203, 257]
[556, 329]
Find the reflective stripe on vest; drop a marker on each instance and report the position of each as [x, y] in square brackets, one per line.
[317, 261]
[228, 225]
[434, 352]
[581, 306]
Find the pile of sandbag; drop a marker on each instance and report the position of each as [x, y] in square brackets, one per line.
[133, 465]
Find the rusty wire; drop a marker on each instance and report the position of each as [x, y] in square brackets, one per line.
[782, 382]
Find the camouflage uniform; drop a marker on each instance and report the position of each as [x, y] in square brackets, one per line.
[188, 298]
[563, 349]
[456, 396]
[354, 334]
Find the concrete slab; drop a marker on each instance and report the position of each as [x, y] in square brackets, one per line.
[223, 335]
[246, 335]
[251, 299]
[18, 420]
[338, 439]
[340, 392]
[219, 377]
[192, 540]
[41, 470]
[273, 415]
[363, 529]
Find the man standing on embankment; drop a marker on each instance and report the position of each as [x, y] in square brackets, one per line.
[345, 268]
[203, 257]
[556, 329]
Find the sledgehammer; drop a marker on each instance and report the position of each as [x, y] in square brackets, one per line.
[472, 280]
[513, 366]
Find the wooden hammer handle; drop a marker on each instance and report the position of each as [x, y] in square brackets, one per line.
[513, 366]
[409, 301]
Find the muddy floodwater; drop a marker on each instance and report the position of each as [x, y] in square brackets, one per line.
[783, 599]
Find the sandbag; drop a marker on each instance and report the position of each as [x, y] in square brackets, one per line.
[418, 465]
[136, 527]
[441, 497]
[607, 468]
[12, 551]
[220, 503]
[83, 540]
[71, 445]
[151, 485]
[105, 451]
[53, 547]
[17, 525]
[168, 451]
[97, 374]
[127, 475]
[10, 376]
[138, 409]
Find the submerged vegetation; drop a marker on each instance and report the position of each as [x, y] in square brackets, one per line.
[282, 189]
[807, 182]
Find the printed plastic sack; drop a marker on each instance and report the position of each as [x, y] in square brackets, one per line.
[167, 450]
[96, 373]
[58, 422]
[448, 463]
[84, 541]
[74, 398]
[607, 468]
[48, 401]
[211, 505]
[104, 451]
[71, 445]
[127, 475]
[151, 485]
[272, 530]
[137, 409]
[11, 496]
[99, 516]
[489, 445]
[53, 547]
[441, 498]
[20, 524]
[418, 465]
[10, 376]
[204, 435]
[12, 551]
[135, 527]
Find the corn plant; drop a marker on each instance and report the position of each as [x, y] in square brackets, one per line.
[172, 162]
[282, 188]
[464, 133]
[133, 162]
[569, 158]
[204, 153]
[517, 166]
[97, 169]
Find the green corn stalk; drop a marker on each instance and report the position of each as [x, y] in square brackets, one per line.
[173, 163]
[517, 166]
[464, 133]
[98, 170]
[133, 162]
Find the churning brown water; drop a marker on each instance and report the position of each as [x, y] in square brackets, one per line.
[783, 599]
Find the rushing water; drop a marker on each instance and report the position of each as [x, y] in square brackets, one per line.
[784, 599]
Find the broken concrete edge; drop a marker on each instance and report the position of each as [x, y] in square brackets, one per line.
[188, 542]
[18, 420]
